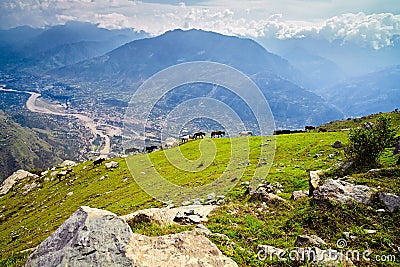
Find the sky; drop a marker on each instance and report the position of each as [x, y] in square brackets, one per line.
[366, 22]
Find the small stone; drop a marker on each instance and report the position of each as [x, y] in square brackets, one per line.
[70, 193]
[380, 211]
[346, 166]
[337, 144]
[391, 201]
[346, 235]
[203, 229]
[305, 240]
[194, 218]
[211, 196]
[111, 164]
[299, 194]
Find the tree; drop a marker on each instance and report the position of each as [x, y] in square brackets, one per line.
[365, 146]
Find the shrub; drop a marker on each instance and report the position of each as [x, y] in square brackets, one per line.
[365, 146]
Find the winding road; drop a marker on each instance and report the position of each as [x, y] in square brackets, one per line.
[32, 106]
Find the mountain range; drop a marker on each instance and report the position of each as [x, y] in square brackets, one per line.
[292, 105]
[84, 52]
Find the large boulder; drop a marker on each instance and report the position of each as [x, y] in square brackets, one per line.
[90, 237]
[12, 180]
[94, 237]
[342, 191]
[182, 249]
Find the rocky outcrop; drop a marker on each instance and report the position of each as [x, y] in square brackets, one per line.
[12, 180]
[299, 194]
[314, 181]
[94, 237]
[342, 191]
[166, 216]
[90, 237]
[266, 192]
[391, 201]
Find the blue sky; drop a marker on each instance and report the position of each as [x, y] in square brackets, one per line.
[364, 21]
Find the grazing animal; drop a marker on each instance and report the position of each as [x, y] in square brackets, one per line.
[245, 133]
[98, 161]
[199, 135]
[149, 149]
[217, 134]
[64, 173]
[186, 138]
[322, 130]
[309, 128]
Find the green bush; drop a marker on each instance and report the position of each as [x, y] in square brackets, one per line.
[365, 146]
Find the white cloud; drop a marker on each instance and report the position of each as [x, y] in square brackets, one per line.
[252, 18]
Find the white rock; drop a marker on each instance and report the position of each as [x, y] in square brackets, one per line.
[9, 182]
[68, 163]
[93, 237]
[342, 191]
[111, 164]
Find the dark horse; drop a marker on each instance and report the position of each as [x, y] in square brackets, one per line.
[309, 128]
[199, 135]
[217, 134]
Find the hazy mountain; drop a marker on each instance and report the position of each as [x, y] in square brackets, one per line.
[317, 72]
[39, 50]
[371, 93]
[353, 60]
[138, 60]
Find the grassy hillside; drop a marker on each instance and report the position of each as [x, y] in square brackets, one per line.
[27, 219]
[22, 148]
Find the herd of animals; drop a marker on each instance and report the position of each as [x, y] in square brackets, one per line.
[215, 134]
[218, 134]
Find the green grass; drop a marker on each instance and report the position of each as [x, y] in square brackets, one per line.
[26, 220]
